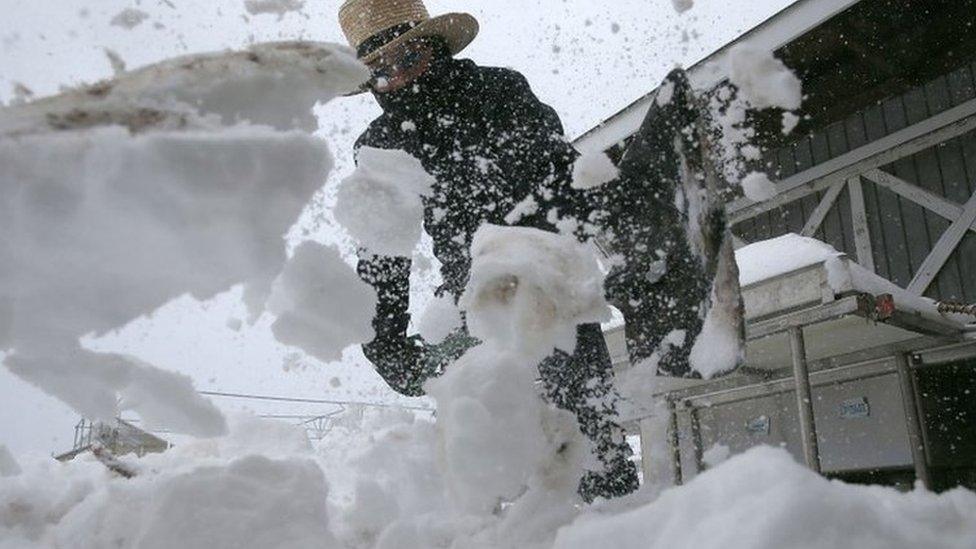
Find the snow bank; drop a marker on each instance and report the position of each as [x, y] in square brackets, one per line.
[321, 304]
[197, 496]
[381, 205]
[119, 197]
[763, 80]
[763, 499]
[241, 493]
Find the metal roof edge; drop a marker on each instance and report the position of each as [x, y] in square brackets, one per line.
[773, 33]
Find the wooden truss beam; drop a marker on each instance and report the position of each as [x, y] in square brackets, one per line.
[822, 209]
[943, 249]
[930, 201]
[940, 128]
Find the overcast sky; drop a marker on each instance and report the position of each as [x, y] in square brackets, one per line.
[587, 59]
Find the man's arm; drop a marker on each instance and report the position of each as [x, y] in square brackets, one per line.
[400, 360]
[530, 131]
[534, 147]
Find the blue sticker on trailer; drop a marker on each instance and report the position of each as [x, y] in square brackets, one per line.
[758, 425]
[855, 408]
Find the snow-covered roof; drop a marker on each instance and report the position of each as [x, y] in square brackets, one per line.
[777, 31]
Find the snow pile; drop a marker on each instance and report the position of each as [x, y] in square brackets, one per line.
[593, 169]
[529, 289]
[321, 305]
[440, 319]
[223, 493]
[757, 187]
[386, 491]
[278, 7]
[763, 80]
[8, 465]
[498, 469]
[117, 198]
[381, 204]
[764, 500]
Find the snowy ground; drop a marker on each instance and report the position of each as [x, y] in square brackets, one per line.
[376, 482]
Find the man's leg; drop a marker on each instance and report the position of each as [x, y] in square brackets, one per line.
[582, 383]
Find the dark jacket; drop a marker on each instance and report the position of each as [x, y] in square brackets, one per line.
[490, 144]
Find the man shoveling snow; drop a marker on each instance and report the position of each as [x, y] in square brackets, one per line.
[499, 156]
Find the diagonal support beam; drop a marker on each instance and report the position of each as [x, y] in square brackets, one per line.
[930, 201]
[943, 249]
[820, 213]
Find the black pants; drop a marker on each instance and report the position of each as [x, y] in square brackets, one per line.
[582, 383]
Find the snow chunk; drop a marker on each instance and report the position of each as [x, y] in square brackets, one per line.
[762, 79]
[8, 465]
[119, 197]
[142, 219]
[441, 318]
[528, 206]
[787, 253]
[716, 455]
[758, 188]
[381, 204]
[790, 122]
[682, 6]
[593, 170]
[114, 59]
[719, 347]
[531, 288]
[279, 7]
[99, 386]
[322, 305]
[753, 501]
[498, 437]
[275, 84]
[129, 18]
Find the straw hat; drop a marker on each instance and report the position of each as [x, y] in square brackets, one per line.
[373, 26]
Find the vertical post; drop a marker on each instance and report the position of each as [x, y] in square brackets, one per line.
[696, 440]
[804, 400]
[906, 379]
[675, 444]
